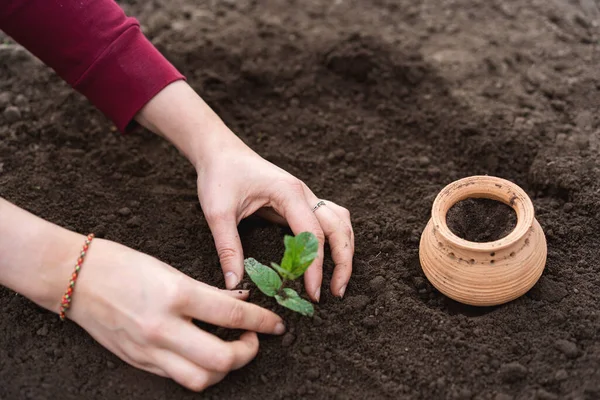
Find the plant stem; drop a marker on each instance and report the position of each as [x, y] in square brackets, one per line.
[280, 292]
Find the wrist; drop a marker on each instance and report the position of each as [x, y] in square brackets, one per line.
[36, 256]
[178, 114]
[59, 257]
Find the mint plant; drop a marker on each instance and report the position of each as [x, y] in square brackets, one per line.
[300, 252]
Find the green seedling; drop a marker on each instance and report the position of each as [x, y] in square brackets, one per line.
[300, 252]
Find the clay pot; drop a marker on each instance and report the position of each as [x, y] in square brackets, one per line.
[483, 274]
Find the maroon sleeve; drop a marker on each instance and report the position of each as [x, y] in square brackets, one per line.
[94, 47]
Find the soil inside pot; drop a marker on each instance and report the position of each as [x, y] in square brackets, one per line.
[481, 220]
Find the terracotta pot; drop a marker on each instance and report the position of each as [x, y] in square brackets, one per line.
[483, 274]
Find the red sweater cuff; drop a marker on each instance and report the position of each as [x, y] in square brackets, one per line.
[128, 74]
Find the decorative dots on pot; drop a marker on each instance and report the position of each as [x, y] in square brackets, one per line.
[483, 273]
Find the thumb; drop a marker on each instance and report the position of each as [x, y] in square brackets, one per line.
[229, 248]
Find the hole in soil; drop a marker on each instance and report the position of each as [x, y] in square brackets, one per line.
[481, 220]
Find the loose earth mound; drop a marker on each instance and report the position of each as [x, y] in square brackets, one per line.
[376, 105]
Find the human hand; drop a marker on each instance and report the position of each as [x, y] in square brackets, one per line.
[235, 182]
[142, 309]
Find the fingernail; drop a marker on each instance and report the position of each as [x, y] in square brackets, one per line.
[231, 280]
[318, 295]
[342, 291]
[279, 328]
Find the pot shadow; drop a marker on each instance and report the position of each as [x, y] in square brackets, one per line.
[433, 299]
[455, 308]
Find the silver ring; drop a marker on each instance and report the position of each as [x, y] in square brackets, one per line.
[319, 204]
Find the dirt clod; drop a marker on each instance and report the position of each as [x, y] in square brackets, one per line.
[419, 282]
[125, 211]
[21, 100]
[543, 394]
[5, 99]
[313, 373]
[566, 347]
[288, 339]
[134, 222]
[358, 302]
[512, 372]
[99, 230]
[370, 322]
[424, 161]
[561, 375]
[12, 114]
[43, 331]
[377, 284]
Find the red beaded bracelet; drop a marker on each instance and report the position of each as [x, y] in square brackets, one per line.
[68, 296]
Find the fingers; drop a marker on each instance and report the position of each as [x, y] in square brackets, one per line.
[188, 374]
[334, 224]
[209, 351]
[341, 240]
[344, 215]
[271, 215]
[294, 208]
[229, 248]
[247, 347]
[337, 227]
[313, 277]
[198, 361]
[222, 310]
[235, 293]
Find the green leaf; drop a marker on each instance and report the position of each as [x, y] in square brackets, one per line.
[294, 302]
[300, 252]
[284, 274]
[264, 277]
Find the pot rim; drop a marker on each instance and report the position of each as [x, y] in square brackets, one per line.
[489, 187]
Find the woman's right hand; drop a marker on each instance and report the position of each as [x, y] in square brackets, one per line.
[141, 309]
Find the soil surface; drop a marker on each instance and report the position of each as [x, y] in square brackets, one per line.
[481, 220]
[376, 105]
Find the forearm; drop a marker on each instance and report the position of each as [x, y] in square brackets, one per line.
[36, 256]
[179, 114]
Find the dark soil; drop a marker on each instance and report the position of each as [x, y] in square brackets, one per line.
[481, 220]
[376, 105]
